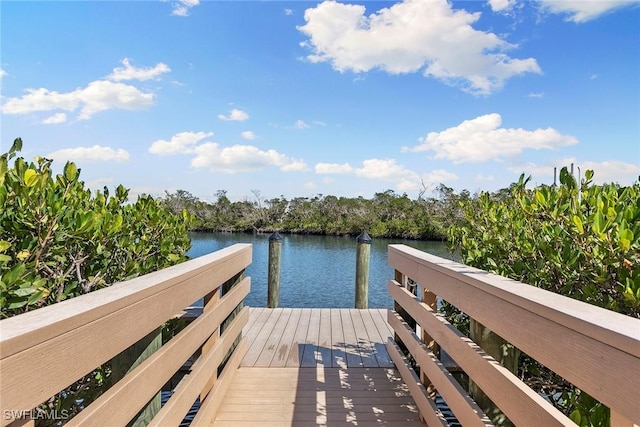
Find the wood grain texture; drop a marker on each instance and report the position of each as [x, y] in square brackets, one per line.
[36, 362]
[595, 349]
[521, 404]
[317, 396]
[319, 336]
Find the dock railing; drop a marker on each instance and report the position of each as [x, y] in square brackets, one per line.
[596, 350]
[44, 351]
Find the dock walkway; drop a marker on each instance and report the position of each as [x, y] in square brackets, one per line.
[315, 367]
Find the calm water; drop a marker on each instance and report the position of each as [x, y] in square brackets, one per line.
[315, 271]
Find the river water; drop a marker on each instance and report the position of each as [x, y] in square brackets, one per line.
[315, 271]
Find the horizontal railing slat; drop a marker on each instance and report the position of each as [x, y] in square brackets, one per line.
[46, 350]
[519, 402]
[467, 412]
[595, 349]
[21, 332]
[615, 329]
[124, 399]
[427, 407]
[173, 412]
[211, 403]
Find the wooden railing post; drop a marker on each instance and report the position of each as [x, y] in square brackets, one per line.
[363, 256]
[273, 289]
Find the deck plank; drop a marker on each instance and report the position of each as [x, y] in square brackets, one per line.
[272, 344]
[257, 346]
[352, 344]
[317, 396]
[370, 319]
[338, 354]
[367, 350]
[323, 350]
[304, 337]
[294, 359]
[311, 342]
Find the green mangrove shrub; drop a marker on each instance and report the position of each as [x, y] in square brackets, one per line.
[577, 239]
[58, 240]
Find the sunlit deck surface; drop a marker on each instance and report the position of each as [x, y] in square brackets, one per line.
[308, 367]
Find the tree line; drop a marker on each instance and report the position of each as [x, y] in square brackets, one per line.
[386, 214]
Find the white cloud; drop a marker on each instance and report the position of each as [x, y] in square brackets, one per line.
[248, 135]
[288, 12]
[55, 119]
[97, 153]
[319, 123]
[180, 143]
[129, 72]
[2, 73]
[482, 139]
[387, 170]
[235, 115]
[242, 158]
[536, 95]
[333, 168]
[181, 7]
[585, 10]
[412, 36]
[300, 125]
[501, 5]
[97, 96]
[605, 171]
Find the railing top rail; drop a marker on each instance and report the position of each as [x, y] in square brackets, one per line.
[21, 332]
[614, 329]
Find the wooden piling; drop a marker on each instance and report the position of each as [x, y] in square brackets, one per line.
[273, 289]
[363, 255]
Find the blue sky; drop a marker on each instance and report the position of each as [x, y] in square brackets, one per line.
[305, 98]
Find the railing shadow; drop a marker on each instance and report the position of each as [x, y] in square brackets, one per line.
[340, 391]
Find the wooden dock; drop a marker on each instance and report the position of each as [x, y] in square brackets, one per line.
[316, 367]
[312, 367]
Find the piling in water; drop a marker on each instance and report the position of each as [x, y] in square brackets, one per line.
[273, 289]
[363, 255]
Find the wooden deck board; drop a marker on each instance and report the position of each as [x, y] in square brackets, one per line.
[317, 396]
[304, 337]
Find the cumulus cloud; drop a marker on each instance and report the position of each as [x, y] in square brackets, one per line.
[97, 153]
[583, 11]
[604, 172]
[129, 72]
[248, 135]
[182, 7]
[412, 36]
[2, 73]
[97, 96]
[387, 170]
[235, 115]
[501, 5]
[180, 143]
[482, 139]
[215, 157]
[55, 119]
[288, 12]
[242, 158]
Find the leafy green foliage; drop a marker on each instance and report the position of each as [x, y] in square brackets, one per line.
[581, 242]
[57, 240]
[387, 214]
[578, 239]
